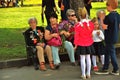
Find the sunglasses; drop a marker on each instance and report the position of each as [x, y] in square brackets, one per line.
[72, 15]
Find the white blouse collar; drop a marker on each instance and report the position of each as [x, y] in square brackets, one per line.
[84, 20]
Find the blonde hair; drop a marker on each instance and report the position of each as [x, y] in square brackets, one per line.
[112, 3]
[94, 19]
[82, 12]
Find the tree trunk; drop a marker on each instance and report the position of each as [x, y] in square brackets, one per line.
[75, 5]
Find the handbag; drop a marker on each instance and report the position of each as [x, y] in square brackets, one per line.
[55, 41]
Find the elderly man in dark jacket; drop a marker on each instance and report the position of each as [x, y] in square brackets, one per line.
[35, 37]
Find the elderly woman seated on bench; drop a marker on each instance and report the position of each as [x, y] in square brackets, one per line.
[35, 37]
[52, 32]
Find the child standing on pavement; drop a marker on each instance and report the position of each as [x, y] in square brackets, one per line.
[83, 42]
[111, 24]
[98, 38]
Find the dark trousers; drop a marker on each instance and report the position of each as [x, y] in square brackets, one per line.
[47, 15]
[88, 9]
[63, 15]
[110, 54]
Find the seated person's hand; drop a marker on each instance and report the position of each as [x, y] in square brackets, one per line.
[67, 34]
[75, 19]
[41, 37]
[62, 32]
[55, 35]
[41, 44]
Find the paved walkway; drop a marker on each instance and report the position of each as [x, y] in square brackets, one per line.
[66, 72]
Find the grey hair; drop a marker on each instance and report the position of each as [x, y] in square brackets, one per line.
[69, 11]
[32, 19]
[100, 11]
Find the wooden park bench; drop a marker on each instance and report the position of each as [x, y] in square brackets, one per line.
[32, 54]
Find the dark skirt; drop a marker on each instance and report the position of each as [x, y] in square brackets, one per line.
[84, 50]
[99, 48]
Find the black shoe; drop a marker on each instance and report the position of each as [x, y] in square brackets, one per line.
[115, 73]
[57, 66]
[102, 72]
[36, 67]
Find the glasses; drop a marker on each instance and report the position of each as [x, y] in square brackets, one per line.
[72, 15]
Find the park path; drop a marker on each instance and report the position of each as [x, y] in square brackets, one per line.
[66, 72]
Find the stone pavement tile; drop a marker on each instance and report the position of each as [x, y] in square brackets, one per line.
[66, 72]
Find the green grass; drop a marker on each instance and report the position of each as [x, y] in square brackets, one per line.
[13, 21]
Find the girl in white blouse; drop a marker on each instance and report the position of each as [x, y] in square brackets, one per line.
[98, 38]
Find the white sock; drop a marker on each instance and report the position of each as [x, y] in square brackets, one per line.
[94, 60]
[88, 60]
[83, 65]
[102, 59]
